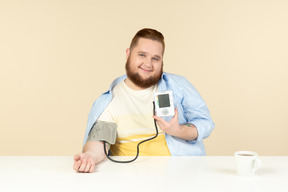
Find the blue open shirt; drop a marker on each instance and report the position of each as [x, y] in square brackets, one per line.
[191, 109]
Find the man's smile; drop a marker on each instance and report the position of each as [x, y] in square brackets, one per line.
[145, 70]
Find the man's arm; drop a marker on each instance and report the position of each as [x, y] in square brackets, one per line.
[187, 131]
[93, 153]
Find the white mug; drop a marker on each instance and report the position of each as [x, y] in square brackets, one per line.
[247, 162]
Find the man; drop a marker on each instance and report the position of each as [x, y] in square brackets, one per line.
[123, 116]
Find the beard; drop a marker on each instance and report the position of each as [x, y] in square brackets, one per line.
[138, 80]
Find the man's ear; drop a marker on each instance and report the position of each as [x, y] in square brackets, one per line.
[127, 53]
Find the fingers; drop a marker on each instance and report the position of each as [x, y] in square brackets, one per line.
[89, 167]
[176, 113]
[83, 164]
[77, 161]
[77, 157]
[157, 118]
[169, 127]
[77, 164]
[92, 168]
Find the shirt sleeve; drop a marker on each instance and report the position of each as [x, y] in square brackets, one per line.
[196, 111]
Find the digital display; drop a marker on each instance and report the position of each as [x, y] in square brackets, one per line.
[164, 100]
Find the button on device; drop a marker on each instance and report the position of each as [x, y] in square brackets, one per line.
[165, 111]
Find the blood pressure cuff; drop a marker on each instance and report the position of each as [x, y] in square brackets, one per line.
[103, 131]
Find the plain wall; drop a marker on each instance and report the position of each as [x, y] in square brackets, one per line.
[57, 57]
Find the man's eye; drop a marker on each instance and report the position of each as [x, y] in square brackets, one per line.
[141, 55]
[155, 59]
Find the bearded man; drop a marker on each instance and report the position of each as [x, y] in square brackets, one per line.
[123, 116]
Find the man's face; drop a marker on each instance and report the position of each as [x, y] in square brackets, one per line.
[144, 65]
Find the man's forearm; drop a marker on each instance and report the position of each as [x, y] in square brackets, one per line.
[96, 150]
[187, 131]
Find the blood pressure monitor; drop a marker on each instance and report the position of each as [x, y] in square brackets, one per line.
[164, 105]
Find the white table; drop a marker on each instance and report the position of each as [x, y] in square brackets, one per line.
[210, 173]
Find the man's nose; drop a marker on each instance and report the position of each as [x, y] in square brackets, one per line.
[148, 62]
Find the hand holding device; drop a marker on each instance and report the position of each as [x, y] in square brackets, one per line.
[164, 104]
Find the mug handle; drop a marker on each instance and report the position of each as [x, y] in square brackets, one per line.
[257, 164]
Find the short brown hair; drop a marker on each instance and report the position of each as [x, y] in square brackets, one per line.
[147, 33]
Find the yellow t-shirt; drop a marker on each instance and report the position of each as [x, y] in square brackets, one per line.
[132, 111]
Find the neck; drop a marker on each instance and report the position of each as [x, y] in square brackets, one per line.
[131, 85]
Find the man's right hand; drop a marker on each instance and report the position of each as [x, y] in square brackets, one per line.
[84, 162]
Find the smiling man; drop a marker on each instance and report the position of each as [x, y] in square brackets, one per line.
[123, 116]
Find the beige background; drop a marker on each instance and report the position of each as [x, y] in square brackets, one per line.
[57, 57]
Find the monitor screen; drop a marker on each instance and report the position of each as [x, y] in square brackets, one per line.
[164, 100]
